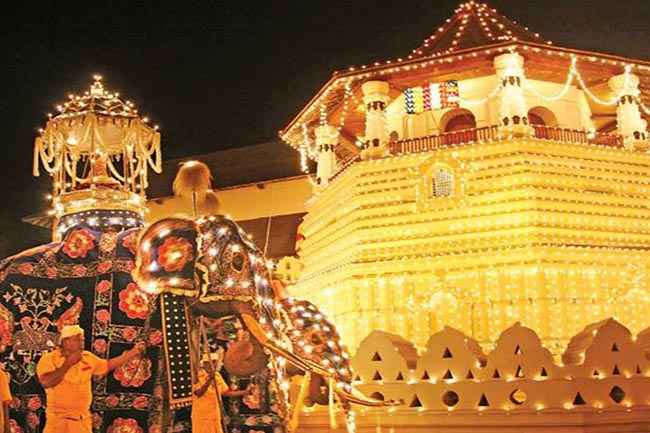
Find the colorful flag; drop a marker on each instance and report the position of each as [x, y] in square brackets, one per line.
[432, 96]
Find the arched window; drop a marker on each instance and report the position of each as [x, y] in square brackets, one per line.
[534, 119]
[458, 126]
[458, 119]
[542, 116]
[442, 183]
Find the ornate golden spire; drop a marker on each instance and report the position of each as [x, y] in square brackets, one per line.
[98, 151]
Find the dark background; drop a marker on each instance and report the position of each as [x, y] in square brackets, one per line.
[222, 74]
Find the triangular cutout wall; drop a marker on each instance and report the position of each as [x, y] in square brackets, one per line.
[448, 375]
[578, 400]
[425, 376]
[377, 376]
[483, 402]
[596, 373]
[447, 353]
[543, 373]
[399, 376]
[614, 348]
[518, 351]
[469, 375]
[376, 357]
[415, 402]
[638, 370]
[496, 374]
[520, 372]
[616, 371]
[357, 378]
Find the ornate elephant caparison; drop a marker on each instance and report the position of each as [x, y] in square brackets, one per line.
[214, 267]
[85, 279]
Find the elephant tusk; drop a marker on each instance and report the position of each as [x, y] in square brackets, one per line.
[300, 402]
[362, 400]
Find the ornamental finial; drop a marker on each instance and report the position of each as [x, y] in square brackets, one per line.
[97, 88]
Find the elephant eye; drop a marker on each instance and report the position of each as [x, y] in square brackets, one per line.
[238, 261]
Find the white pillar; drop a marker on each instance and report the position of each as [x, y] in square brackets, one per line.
[326, 141]
[375, 96]
[512, 104]
[629, 122]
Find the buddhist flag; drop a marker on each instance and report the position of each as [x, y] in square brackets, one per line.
[433, 96]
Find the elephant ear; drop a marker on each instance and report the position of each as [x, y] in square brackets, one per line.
[166, 257]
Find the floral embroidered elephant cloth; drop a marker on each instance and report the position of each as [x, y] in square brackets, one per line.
[84, 279]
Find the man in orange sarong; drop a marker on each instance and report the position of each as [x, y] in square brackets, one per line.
[66, 374]
[206, 400]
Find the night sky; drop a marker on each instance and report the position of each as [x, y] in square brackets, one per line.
[225, 74]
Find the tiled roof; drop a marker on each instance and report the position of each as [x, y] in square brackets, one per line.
[240, 166]
[474, 25]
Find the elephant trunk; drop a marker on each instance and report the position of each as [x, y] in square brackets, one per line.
[304, 364]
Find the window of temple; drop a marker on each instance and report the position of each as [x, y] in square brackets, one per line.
[534, 119]
[443, 183]
[458, 120]
[542, 116]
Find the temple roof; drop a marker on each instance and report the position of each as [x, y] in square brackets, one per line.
[464, 47]
[474, 25]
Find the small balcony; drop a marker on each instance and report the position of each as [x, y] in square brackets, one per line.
[491, 133]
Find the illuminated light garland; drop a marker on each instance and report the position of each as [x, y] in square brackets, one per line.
[483, 100]
[565, 89]
[615, 100]
[483, 15]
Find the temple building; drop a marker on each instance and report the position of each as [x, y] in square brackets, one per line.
[478, 230]
[488, 177]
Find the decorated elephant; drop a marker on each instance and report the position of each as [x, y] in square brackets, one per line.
[190, 275]
[210, 265]
[187, 271]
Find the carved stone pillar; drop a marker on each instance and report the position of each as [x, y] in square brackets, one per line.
[629, 122]
[375, 96]
[326, 141]
[512, 107]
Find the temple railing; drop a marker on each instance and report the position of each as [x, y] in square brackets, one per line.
[491, 133]
[576, 136]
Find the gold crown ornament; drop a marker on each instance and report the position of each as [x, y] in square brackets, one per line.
[98, 150]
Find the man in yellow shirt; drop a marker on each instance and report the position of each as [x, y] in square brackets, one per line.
[66, 375]
[5, 400]
[206, 401]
